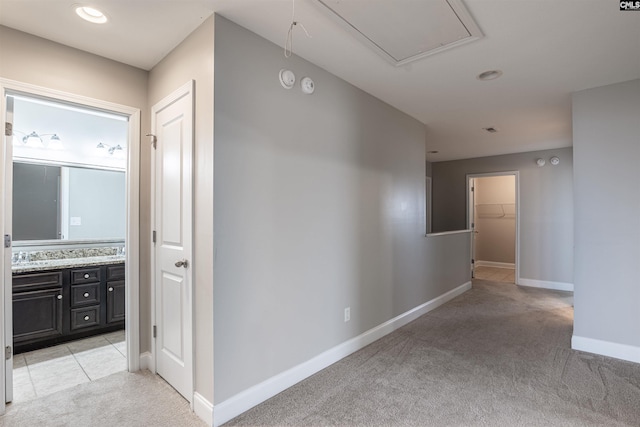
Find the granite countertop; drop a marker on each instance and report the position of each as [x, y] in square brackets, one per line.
[53, 264]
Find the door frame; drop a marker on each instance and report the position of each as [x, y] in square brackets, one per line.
[470, 210]
[187, 88]
[132, 234]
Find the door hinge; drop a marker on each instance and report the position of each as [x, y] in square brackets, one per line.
[153, 236]
[8, 129]
[8, 352]
[473, 261]
[154, 140]
[155, 331]
[7, 240]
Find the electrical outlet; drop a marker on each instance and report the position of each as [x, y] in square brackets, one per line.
[347, 314]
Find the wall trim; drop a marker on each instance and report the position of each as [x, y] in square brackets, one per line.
[545, 284]
[257, 394]
[146, 361]
[203, 408]
[606, 348]
[495, 264]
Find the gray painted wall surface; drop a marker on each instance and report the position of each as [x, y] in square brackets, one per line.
[546, 207]
[319, 205]
[98, 197]
[606, 132]
[496, 238]
[193, 59]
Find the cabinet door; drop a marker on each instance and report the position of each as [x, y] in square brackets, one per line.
[115, 301]
[37, 315]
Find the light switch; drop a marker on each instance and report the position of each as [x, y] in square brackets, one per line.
[75, 220]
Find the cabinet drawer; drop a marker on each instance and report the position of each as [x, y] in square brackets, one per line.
[85, 317]
[85, 275]
[115, 272]
[85, 294]
[35, 281]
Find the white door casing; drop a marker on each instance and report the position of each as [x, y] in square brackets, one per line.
[471, 212]
[172, 124]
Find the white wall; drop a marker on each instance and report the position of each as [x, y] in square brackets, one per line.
[319, 205]
[495, 198]
[546, 209]
[606, 133]
[193, 59]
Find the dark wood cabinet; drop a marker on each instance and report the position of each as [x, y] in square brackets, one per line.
[115, 293]
[66, 304]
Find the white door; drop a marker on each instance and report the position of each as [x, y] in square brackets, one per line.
[173, 128]
[471, 222]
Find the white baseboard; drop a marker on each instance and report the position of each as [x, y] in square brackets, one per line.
[146, 361]
[203, 408]
[257, 394]
[558, 286]
[606, 348]
[510, 265]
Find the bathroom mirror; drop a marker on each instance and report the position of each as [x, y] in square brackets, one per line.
[67, 203]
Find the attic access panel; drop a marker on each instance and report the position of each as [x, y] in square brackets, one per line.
[404, 31]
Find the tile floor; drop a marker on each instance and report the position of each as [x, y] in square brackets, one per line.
[495, 274]
[48, 370]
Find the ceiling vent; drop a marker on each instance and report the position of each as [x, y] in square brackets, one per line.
[403, 31]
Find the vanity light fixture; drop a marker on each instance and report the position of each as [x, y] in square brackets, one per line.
[36, 140]
[109, 148]
[540, 162]
[91, 14]
[554, 160]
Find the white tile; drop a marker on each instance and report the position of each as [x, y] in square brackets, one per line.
[101, 362]
[23, 389]
[57, 374]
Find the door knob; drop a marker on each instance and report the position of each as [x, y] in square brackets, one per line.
[182, 263]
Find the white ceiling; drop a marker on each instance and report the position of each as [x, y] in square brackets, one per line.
[547, 49]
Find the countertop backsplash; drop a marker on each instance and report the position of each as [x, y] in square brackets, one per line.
[23, 260]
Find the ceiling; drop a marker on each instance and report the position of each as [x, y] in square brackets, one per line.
[547, 49]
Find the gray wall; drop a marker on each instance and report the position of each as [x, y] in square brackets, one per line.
[606, 132]
[496, 237]
[193, 59]
[546, 207]
[98, 197]
[319, 205]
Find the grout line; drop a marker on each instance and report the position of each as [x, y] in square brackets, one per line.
[79, 364]
[33, 385]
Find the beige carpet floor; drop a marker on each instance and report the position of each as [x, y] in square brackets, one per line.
[498, 355]
[122, 399]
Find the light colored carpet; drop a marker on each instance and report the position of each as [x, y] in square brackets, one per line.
[122, 399]
[498, 355]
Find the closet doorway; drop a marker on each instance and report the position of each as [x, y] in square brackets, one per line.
[493, 217]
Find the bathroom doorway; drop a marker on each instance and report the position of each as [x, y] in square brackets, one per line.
[71, 206]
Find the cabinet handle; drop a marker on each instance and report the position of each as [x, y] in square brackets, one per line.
[86, 295]
[59, 296]
[110, 288]
[86, 275]
[86, 317]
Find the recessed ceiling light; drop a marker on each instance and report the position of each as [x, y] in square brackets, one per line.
[489, 75]
[91, 14]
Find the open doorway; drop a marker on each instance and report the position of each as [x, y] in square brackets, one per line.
[70, 285]
[493, 207]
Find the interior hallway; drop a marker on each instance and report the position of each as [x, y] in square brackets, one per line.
[496, 355]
